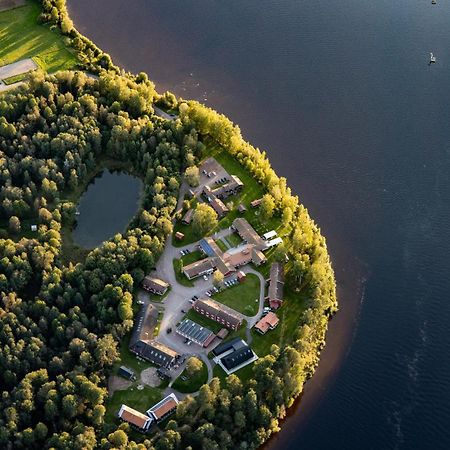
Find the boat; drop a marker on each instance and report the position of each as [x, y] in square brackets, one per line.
[432, 58]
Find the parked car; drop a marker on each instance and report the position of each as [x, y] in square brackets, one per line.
[186, 340]
[187, 251]
[183, 311]
[169, 330]
[194, 297]
[182, 252]
[189, 343]
[191, 300]
[208, 293]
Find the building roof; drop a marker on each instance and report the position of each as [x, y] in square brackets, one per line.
[256, 203]
[155, 284]
[218, 206]
[239, 256]
[229, 188]
[274, 242]
[144, 324]
[237, 357]
[276, 282]
[163, 407]
[242, 208]
[195, 332]
[269, 235]
[233, 344]
[218, 309]
[187, 218]
[134, 417]
[125, 371]
[209, 247]
[179, 235]
[198, 267]
[223, 333]
[269, 321]
[258, 257]
[248, 233]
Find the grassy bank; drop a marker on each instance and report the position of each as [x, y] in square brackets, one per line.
[192, 383]
[21, 36]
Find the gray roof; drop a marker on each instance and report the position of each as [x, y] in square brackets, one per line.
[194, 331]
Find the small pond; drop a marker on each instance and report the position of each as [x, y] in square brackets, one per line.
[106, 208]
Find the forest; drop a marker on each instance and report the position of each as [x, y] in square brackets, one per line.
[60, 324]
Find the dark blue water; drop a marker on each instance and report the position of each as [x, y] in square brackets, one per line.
[340, 95]
[106, 208]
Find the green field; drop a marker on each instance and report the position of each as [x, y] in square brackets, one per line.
[21, 36]
[192, 257]
[241, 297]
[193, 383]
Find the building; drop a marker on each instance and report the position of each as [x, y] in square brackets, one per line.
[242, 255]
[223, 333]
[219, 207]
[127, 373]
[209, 247]
[218, 312]
[248, 233]
[273, 242]
[195, 332]
[155, 285]
[163, 409]
[215, 202]
[241, 208]
[198, 268]
[269, 235]
[268, 322]
[137, 419]
[256, 203]
[232, 187]
[187, 218]
[276, 285]
[142, 343]
[179, 236]
[241, 276]
[233, 355]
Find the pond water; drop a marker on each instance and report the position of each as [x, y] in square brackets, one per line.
[106, 208]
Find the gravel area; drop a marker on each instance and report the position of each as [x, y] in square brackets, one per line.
[116, 383]
[150, 378]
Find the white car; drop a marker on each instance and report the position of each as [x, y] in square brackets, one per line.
[205, 277]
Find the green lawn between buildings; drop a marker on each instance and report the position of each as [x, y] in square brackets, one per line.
[215, 327]
[179, 275]
[193, 383]
[242, 296]
[21, 37]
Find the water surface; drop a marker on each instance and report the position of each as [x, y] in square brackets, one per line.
[108, 205]
[340, 95]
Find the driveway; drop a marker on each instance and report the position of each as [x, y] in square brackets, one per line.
[17, 68]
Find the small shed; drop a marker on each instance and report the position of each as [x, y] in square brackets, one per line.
[241, 276]
[222, 334]
[127, 373]
[33, 227]
[179, 236]
[242, 208]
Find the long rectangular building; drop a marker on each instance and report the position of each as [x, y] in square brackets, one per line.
[195, 332]
[218, 312]
[276, 285]
[137, 419]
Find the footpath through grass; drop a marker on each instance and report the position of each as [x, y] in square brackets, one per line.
[21, 36]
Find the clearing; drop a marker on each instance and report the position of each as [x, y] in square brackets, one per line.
[21, 37]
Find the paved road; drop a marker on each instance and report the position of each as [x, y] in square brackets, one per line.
[17, 68]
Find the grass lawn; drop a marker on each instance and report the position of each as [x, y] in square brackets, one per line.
[156, 297]
[137, 399]
[242, 296]
[192, 257]
[193, 383]
[180, 276]
[290, 317]
[189, 235]
[221, 245]
[234, 240]
[203, 321]
[21, 36]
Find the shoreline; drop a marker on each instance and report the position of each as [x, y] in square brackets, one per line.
[344, 324]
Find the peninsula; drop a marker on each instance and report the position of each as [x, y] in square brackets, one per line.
[197, 325]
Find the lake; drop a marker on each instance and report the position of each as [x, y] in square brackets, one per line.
[342, 98]
[108, 205]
